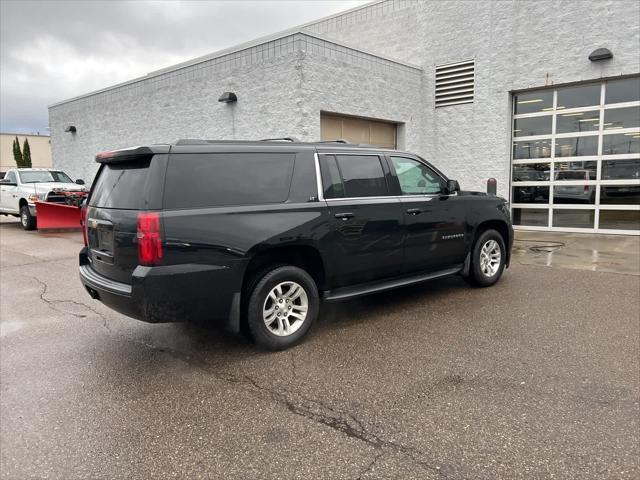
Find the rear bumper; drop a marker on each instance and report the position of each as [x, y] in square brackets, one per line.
[173, 293]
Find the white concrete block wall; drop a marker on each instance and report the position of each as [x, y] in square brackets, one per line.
[517, 44]
[278, 96]
[390, 28]
[184, 109]
[282, 87]
[331, 85]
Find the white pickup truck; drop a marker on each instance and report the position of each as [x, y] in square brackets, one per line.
[22, 187]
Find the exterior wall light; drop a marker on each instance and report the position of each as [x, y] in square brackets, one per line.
[228, 97]
[70, 129]
[600, 54]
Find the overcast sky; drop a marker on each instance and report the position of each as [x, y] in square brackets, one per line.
[53, 50]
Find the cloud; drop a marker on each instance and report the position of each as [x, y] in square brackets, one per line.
[50, 50]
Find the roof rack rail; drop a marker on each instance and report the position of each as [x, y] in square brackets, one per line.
[285, 139]
[337, 140]
[190, 141]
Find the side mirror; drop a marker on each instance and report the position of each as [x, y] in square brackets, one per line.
[452, 187]
[80, 181]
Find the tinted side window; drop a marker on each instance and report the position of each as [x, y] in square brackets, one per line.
[121, 185]
[416, 178]
[331, 180]
[224, 179]
[362, 175]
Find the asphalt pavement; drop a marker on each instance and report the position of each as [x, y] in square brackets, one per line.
[536, 377]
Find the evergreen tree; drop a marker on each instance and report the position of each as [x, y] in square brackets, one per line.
[26, 154]
[17, 154]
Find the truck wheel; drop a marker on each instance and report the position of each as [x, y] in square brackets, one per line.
[487, 259]
[26, 219]
[282, 307]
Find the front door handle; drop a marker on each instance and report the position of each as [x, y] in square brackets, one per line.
[414, 211]
[344, 215]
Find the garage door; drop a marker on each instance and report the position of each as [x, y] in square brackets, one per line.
[358, 130]
[576, 158]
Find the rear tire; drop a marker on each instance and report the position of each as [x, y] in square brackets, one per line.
[26, 219]
[282, 306]
[488, 257]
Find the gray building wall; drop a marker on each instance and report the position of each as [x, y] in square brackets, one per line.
[332, 85]
[517, 44]
[183, 107]
[284, 84]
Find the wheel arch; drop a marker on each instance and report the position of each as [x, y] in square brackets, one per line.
[306, 257]
[501, 227]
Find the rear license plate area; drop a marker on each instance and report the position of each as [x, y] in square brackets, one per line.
[100, 238]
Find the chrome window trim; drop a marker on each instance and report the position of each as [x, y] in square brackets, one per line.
[321, 186]
[353, 153]
[426, 196]
[379, 199]
[318, 177]
[429, 196]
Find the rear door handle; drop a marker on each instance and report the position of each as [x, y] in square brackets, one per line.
[344, 215]
[414, 211]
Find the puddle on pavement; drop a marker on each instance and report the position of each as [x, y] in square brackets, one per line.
[620, 254]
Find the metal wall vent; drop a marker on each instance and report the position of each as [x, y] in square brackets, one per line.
[455, 83]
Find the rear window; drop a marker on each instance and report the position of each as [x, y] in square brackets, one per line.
[331, 179]
[121, 185]
[224, 179]
[362, 175]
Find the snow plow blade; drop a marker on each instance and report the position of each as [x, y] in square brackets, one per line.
[56, 215]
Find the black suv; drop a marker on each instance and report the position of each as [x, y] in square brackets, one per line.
[256, 234]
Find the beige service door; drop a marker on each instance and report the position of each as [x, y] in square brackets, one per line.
[358, 130]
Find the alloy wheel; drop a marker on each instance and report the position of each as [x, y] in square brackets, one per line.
[490, 257]
[285, 308]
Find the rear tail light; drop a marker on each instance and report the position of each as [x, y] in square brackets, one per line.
[149, 239]
[83, 223]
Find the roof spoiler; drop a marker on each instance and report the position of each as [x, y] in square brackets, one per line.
[131, 153]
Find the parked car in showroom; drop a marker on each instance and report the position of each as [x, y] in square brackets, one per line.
[256, 234]
[574, 193]
[22, 187]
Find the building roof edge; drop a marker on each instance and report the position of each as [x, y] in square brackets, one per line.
[229, 51]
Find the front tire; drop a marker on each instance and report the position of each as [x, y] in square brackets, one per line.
[26, 219]
[488, 258]
[282, 307]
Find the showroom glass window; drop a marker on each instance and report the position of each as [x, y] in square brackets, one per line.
[576, 157]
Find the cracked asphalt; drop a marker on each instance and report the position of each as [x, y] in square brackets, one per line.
[537, 377]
